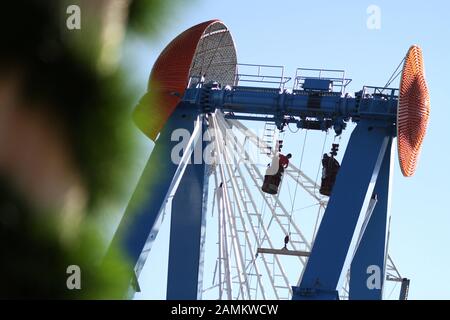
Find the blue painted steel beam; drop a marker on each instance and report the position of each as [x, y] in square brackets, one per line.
[139, 225]
[187, 231]
[300, 103]
[352, 190]
[367, 271]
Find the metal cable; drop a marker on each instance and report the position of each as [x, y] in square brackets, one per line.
[296, 184]
[320, 162]
[395, 74]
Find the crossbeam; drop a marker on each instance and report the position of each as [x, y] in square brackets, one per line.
[309, 109]
[284, 252]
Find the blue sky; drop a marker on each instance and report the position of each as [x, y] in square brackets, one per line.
[332, 35]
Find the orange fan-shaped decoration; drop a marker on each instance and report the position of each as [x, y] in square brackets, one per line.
[206, 49]
[413, 111]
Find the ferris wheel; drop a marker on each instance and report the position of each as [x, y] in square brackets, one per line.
[246, 224]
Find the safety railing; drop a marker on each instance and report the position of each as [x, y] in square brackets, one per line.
[260, 75]
[369, 92]
[337, 79]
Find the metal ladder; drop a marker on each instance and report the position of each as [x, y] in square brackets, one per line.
[268, 138]
[238, 230]
[277, 275]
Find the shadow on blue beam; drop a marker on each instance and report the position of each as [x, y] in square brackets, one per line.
[367, 270]
[140, 223]
[351, 192]
[187, 231]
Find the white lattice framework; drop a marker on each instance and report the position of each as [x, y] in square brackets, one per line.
[251, 262]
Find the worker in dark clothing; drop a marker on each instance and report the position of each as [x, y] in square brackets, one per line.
[330, 168]
[286, 241]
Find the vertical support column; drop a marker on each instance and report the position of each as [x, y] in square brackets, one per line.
[140, 223]
[187, 230]
[367, 271]
[351, 192]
